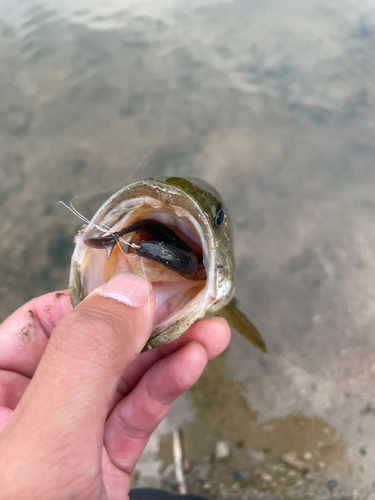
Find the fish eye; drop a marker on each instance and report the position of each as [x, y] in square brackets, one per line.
[219, 218]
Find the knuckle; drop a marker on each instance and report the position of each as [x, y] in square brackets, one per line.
[98, 325]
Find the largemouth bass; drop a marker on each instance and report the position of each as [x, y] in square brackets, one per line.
[176, 233]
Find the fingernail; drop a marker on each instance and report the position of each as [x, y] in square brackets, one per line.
[129, 289]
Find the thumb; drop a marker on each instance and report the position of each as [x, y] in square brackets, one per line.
[86, 355]
[90, 347]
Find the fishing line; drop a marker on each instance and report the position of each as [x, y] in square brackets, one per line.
[104, 229]
[114, 188]
[148, 293]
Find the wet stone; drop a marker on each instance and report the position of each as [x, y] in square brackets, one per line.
[187, 465]
[294, 463]
[223, 492]
[201, 473]
[169, 480]
[207, 486]
[257, 473]
[257, 457]
[222, 450]
[267, 478]
[292, 474]
[145, 481]
[236, 487]
[241, 476]
[368, 408]
[279, 469]
[332, 484]
[363, 451]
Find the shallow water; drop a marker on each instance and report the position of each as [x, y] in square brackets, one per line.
[274, 104]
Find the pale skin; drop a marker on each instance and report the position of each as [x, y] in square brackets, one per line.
[77, 401]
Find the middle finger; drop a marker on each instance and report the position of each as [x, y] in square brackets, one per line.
[212, 333]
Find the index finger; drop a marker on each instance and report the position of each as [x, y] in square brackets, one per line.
[25, 333]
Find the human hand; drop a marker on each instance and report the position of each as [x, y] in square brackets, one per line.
[77, 401]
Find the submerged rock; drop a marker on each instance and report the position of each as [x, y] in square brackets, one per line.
[222, 450]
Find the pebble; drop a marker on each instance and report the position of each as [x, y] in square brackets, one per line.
[222, 450]
[283, 479]
[207, 486]
[267, 478]
[320, 465]
[187, 465]
[236, 487]
[299, 483]
[257, 473]
[292, 474]
[257, 457]
[332, 484]
[241, 476]
[367, 409]
[201, 473]
[363, 451]
[279, 469]
[307, 456]
[169, 477]
[296, 464]
[149, 482]
[223, 492]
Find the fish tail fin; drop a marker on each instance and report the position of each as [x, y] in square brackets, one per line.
[239, 322]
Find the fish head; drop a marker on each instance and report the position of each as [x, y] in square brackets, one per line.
[195, 212]
[215, 217]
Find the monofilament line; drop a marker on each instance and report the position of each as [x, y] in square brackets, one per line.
[104, 229]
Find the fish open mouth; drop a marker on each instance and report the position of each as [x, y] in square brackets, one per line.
[158, 229]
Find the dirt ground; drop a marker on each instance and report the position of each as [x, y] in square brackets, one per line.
[273, 104]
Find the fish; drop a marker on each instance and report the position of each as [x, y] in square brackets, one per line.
[175, 232]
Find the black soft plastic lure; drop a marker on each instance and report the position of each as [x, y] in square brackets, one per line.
[162, 245]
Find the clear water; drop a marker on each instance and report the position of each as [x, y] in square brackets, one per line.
[274, 104]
